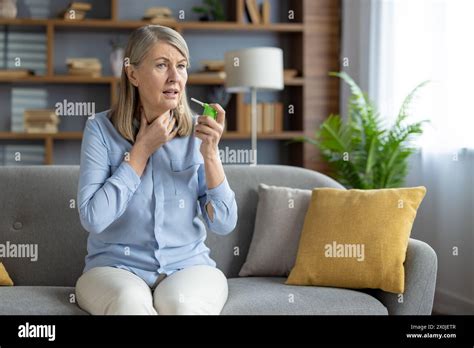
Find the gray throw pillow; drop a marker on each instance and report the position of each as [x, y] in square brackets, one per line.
[278, 224]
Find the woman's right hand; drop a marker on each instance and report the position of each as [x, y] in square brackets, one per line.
[150, 137]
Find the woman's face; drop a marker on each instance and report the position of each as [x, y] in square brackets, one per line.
[161, 78]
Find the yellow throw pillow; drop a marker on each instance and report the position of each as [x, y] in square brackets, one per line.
[4, 277]
[356, 238]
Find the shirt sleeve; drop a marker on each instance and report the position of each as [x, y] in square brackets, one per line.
[223, 201]
[102, 198]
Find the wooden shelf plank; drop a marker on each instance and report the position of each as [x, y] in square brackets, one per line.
[298, 81]
[60, 79]
[24, 21]
[67, 136]
[279, 27]
[192, 80]
[40, 136]
[295, 81]
[100, 23]
[131, 24]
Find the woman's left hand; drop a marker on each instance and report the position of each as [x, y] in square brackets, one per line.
[210, 132]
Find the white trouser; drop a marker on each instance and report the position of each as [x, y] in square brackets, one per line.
[198, 289]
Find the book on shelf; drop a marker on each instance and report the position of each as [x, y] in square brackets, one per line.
[162, 20]
[84, 72]
[289, 73]
[30, 47]
[26, 56]
[269, 118]
[38, 8]
[43, 128]
[84, 66]
[23, 99]
[30, 93]
[23, 154]
[213, 65]
[208, 75]
[16, 73]
[75, 11]
[158, 11]
[74, 15]
[80, 6]
[40, 121]
[278, 117]
[159, 15]
[83, 63]
[26, 149]
[40, 115]
[26, 46]
[252, 11]
[23, 37]
[265, 12]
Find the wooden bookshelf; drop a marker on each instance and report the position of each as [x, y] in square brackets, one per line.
[313, 35]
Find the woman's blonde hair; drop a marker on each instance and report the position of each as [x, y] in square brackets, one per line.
[128, 104]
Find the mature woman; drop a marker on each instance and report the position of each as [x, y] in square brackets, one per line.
[148, 169]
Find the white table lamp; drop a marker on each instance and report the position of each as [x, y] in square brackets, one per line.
[252, 69]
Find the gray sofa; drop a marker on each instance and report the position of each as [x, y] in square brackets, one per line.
[38, 207]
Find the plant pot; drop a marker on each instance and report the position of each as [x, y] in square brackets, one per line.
[204, 18]
[116, 61]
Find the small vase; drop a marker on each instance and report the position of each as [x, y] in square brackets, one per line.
[116, 61]
[8, 9]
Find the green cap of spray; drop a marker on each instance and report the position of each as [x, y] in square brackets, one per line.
[208, 110]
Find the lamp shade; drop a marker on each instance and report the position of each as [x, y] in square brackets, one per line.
[258, 67]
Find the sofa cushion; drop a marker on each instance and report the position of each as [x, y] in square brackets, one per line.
[38, 300]
[278, 224]
[356, 238]
[252, 296]
[270, 296]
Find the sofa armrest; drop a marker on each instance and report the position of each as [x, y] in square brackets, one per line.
[421, 265]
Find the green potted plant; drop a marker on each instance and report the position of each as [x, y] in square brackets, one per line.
[361, 152]
[210, 11]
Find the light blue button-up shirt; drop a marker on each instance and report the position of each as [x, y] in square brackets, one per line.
[148, 224]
